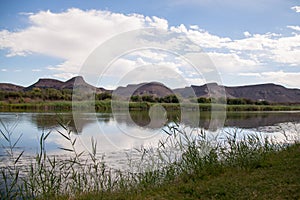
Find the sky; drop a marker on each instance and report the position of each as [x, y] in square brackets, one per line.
[245, 42]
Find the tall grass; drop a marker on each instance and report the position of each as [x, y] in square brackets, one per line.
[105, 106]
[185, 154]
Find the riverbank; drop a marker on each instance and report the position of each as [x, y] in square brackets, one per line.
[105, 106]
[276, 177]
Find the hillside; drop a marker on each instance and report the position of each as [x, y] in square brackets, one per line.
[153, 88]
[268, 92]
[10, 87]
[44, 83]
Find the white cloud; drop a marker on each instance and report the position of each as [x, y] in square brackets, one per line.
[201, 37]
[250, 74]
[157, 22]
[122, 66]
[287, 50]
[296, 8]
[36, 70]
[290, 79]
[268, 48]
[254, 43]
[296, 28]
[226, 62]
[247, 34]
[150, 54]
[71, 35]
[195, 81]
[64, 76]
[4, 70]
[194, 27]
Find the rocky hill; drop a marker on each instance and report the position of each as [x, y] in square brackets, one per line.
[10, 87]
[153, 88]
[44, 83]
[75, 82]
[267, 92]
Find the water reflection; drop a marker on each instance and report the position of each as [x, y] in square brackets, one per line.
[119, 133]
[248, 120]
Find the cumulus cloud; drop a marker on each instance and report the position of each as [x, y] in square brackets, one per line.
[250, 74]
[296, 8]
[290, 79]
[296, 28]
[231, 62]
[201, 37]
[73, 34]
[247, 34]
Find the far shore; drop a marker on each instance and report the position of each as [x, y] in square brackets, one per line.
[106, 106]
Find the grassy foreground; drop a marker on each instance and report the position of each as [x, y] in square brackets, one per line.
[184, 165]
[277, 177]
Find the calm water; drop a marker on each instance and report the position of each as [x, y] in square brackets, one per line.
[119, 133]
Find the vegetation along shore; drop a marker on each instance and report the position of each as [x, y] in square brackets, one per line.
[184, 165]
[52, 94]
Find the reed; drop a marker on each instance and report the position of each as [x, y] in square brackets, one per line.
[184, 155]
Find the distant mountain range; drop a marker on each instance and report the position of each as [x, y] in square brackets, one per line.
[268, 92]
[44, 83]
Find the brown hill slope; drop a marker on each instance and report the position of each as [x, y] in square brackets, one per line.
[44, 83]
[10, 87]
[75, 82]
[153, 88]
[268, 92]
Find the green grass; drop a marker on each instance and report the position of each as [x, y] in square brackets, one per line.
[105, 106]
[277, 177]
[185, 165]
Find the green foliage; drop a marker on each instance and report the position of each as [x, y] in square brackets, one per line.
[136, 98]
[203, 100]
[152, 99]
[103, 96]
[49, 94]
[231, 101]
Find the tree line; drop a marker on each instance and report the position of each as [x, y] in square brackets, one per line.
[51, 94]
[232, 101]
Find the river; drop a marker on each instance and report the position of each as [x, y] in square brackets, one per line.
[118, 134]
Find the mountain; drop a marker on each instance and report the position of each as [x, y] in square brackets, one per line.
[10, 87]
[44, 83]
[75, 82]
[153, 88]
[201, 91]
[268, 92]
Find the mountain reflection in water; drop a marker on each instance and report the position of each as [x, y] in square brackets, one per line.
[244, 120]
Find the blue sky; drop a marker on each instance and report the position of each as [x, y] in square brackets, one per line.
[249, 41]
